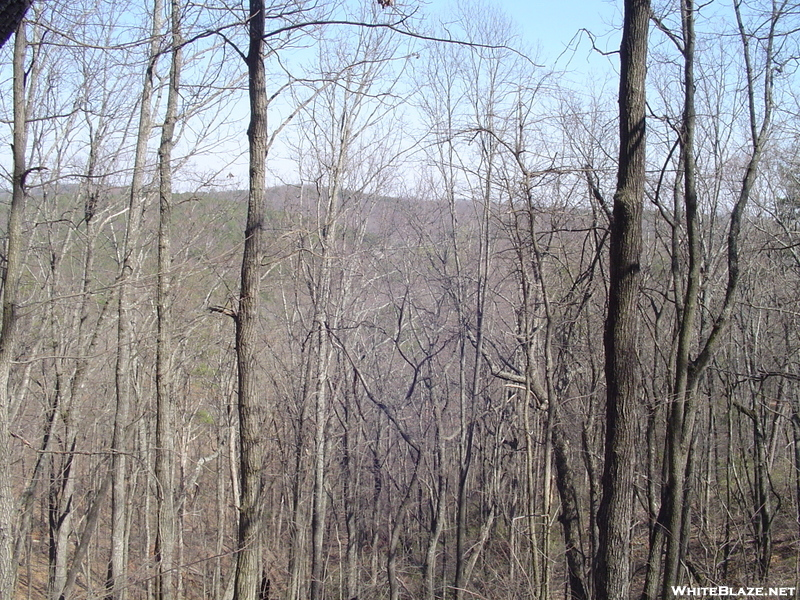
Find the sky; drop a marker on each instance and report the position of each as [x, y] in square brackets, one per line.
[549, 33]
[552, 28]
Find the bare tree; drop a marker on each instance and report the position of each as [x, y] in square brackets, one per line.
[165, 410]
[671, 529]
[123, 378]
[612, 572]
[251, 405]
[11, 283]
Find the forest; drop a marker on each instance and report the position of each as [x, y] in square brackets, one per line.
[351, 301]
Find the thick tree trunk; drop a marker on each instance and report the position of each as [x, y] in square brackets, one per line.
[11, 277]
[622, 373]
[11, 14]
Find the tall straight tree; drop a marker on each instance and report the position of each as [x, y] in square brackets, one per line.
[165, 410]
[250, 402]
[682, 407]
[11, 276]
[122, 377]
[622, 377]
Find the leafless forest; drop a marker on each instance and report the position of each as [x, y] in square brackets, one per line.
[338, 301]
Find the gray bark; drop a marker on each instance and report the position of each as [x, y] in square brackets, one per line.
[165, 409]
[11, 278]
[121, 434]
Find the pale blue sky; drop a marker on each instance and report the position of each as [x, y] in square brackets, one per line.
[553, 26]
[548, 32]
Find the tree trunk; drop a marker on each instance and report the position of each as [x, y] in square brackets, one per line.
[570, 511]
[680, 422]
[119, 443]
[620, 340]
[165, 410]
[11, 277]
[671, 529]
[251, 402]
[319, 495]
[438, 504]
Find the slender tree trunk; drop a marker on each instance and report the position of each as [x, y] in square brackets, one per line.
[464, 465]
[622, 374]
[377, 503]
[85, 345]
[396, 530]
[351, 479]
[62, 587]
[672, 524]
[165, 410]
[319, 495]
[796, 457]
[62, 490]
[251, 401]
[680, 422]
[468, 389]
[82, 549]
[326, 315]
[570, 512]
[119, 442]
[298, 529]
[439, 504]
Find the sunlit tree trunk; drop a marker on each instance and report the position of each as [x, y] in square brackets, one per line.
[165, 409]
[11, 277]
[119, 444]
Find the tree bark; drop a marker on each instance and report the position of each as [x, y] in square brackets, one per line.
[612, 573]
[165, 409]
[251, 403]
[671, 529]
[680, 422]
[570, 511]
[119, 443]
[11, 277]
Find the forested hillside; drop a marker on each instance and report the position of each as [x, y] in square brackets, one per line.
[343, 301]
